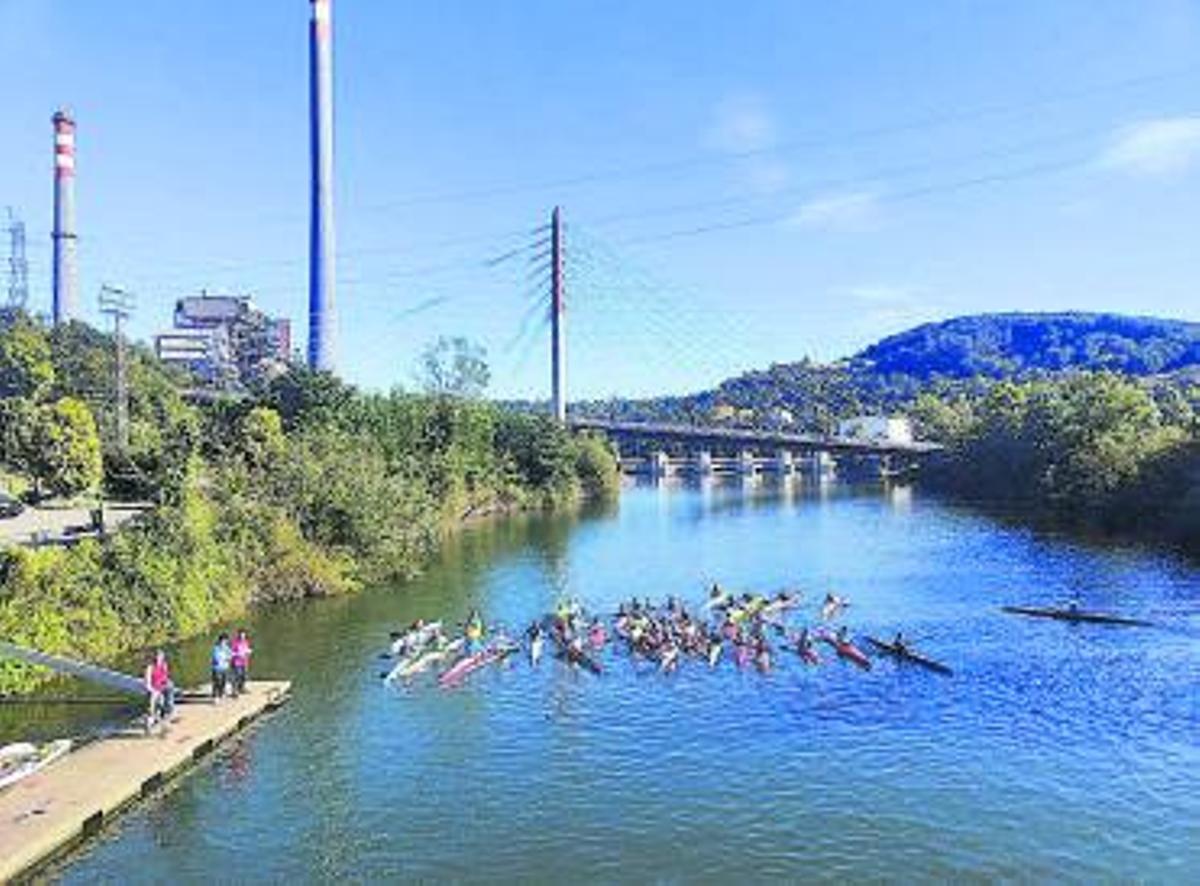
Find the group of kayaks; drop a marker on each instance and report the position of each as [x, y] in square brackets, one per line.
[751, 630]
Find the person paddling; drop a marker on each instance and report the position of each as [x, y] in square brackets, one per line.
[474, 631]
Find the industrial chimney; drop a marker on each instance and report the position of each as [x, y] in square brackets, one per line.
[65, 281]
[322, 319]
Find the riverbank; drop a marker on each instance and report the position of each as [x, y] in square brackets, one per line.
[303, 488]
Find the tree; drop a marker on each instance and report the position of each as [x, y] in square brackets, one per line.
[65, 457]
[454, 367]
[262, 440]
[26, 369]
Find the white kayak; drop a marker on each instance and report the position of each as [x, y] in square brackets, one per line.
[422, 659]
[21, 760]
[415, 638]
[535, 648]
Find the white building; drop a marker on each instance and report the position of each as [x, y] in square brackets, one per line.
[881, 428]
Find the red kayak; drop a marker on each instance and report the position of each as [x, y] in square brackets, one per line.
[470, 663]
[850, 652]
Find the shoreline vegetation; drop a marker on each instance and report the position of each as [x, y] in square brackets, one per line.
[304, 487]
[1090, 452]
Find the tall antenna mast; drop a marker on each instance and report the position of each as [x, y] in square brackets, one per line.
[18, 265]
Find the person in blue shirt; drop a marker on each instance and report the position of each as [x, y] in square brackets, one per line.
[222, 658]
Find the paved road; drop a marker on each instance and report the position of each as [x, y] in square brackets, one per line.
[56, 521]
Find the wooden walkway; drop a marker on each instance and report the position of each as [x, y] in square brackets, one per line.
[70, 800]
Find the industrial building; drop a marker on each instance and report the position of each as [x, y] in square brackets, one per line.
[225, 341]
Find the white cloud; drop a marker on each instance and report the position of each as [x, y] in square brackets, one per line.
[741, 124]
[881, 308]
[1165, 146]
[846, 212]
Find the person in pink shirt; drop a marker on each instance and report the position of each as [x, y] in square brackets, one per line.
[240, 661]
[159, 688]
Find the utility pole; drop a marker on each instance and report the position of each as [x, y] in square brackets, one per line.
[558, 332]
[118, 304]
[18, 266]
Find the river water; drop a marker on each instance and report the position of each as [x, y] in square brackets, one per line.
[1055, 751]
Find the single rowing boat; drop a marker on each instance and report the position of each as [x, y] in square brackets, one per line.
[1077, 616]
[906, 654]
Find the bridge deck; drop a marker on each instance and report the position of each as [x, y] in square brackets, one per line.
[68, 801]
[750, 437]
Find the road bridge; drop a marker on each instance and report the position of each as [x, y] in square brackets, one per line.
[755, 451]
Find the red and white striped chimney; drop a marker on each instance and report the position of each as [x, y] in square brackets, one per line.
[65, 278]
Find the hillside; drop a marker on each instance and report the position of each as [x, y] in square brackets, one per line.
[1006, 345]
[964, 354]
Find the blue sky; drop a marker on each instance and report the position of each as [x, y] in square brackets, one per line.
[743, 183]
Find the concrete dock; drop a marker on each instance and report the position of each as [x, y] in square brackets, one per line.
[70, 800]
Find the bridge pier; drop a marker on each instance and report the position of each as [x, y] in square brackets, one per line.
[659, 464]
[704, 463]
[745, 465]
[783, 462]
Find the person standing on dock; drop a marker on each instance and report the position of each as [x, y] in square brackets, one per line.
[240, 659]
[159, 688]
[222, 656]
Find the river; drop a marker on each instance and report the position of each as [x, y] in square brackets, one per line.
[1054, 752]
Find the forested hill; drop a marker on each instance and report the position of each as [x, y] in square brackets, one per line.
[965, 354]
[1007, 345]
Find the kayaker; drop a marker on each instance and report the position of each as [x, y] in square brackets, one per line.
[899, 642]
[473, 631]
[222, 657]
[240, 653]
[843, 635]
[159, 687]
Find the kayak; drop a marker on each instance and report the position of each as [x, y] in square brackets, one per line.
[779, 605]
[714, 654]
[535, 648]
[21, 760]
[419, 661]
[415, 638]
[713, 602]
[906, 654]
[581, 658]
[850, 652]
[833, 607]
[1075, 615]
[468, 664]
[809, 655]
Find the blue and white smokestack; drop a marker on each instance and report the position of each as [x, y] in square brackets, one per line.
[322, 317]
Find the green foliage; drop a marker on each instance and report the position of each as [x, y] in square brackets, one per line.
[63, 451]
[310, 490]
[596, 467]
[26, 369]
[454, 367]
[1091, 448]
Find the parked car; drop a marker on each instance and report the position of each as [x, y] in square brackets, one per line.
[9, 506]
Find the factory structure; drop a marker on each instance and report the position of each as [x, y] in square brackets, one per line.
[225, 342]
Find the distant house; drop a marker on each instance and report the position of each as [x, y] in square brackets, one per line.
[881, 428]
